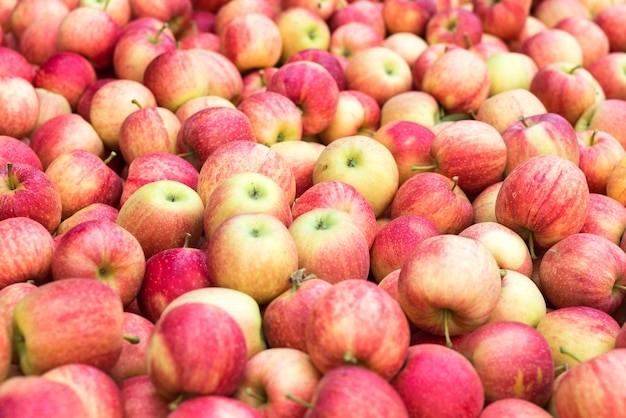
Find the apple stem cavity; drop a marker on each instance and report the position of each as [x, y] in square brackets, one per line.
[446, 330]
[567, 352]
[112, 155]
[12, 180]
[299, 401]
[133, 339]
[251, 393]
[187, 237]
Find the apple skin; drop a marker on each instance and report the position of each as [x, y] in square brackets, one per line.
[608, 116]
[213, 406]
[610, 19]
[484, 204]
[408, 45]
[519, 374]
[19, 106]
[508, 248]
[583, 269]
[395, 241]
[274, 373]
[550, 46]
[336, 334]
[28, 250]
[606, 69]
[103, 251]
[301, 29]
[584, 331]
[503, 19]
[426, 378]
[604, 372]
[499, 76]
[350, 38]
[361, 12]
[97, 391]
[212, 365]
[540, 217]
[520, 300]
[407, 16]
[88, 330]
[131, 361]
[54, 399]
[261, 236]
[447, 205]
[9, 296]
[472, 150]
[347, 159]
[175, 13]
[455, 25]
[339, 195]
[196, 104]
[241, 307]
[301, 157]
[15, 64]
[600, 152]
[514, 408]
[593, 41]
[331, 245]
[606, 217]
[230, 11]
[326, 59]
[27, 191]
[356, 389]
[26, 12]
[141, 399]
[285, 316]
[12, 150]
[357, 113]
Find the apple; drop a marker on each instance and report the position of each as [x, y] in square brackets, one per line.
[489, 45]
[118, 9]
[97, 391]
[408, 16]
[326, 59]
[157, 166]
[178, 362]
[237, 156]
[90, 32]
[312, 89]
[336, 334]
[82, 178]
[112, 103]
[95, 211]
[551, 12]
[339, 195]
[201, 40]
[245, 192]
[12, 150]
[514, 408]
[285, 316]
[500, 77]
[9, 296]
[15, 64]
[570, 80]
[363, 12]
[426, 379]
[54, 399]
[577, 334]
[162, 205]
[272, 374]
[412, 106]
[300, 157]
[19, 106]
[592, 39]
[604, 372]
[573, 275]
[609, 19]
[378, 72]
[506, 108]
[26, 12]
[273, 116]
[508, 248]
[504, 19]
[459, 80]
[76, 320]
[241, 307]
[352, 37]
[251, 41]
[605, 70]
[175, 12]
[600, 152]
[65, 133]
[5, 349]
[357, 114]
[148, 130]
[301, 29]
[408, 45]
[520, 300]
[356, 389]
[26, 191]
[131, 361]
[426, 59]
[136, 48]
[551, 46]
[330, 245]
[532, 25]
[83, 107]
[608, 116]
[212, 406]
[28, 250]
[141, 399]
[484, 204]
[346, 159]
[446, 298]
[395, 241]
[541, 134]
[513, 360]
[456, 25]
[606, 217]
[103, 251]
[435, 197]
[50, 105]
[229, 11]
[261, 236]
[196, 104]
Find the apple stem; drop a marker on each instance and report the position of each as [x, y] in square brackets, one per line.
[174, 404]
[133, 339]
[468, 40]
[455, 179]
[574, 68]
[620, 287]
[299, 401]
[522, 119]
[297, 277]
[531, 246]
[157, 35]
[350, 359]
[11, 177]
[136, 103]
[562, 368]
[106, 5]
[446, 330]
[423, 167]
[251, 393]
[187, 237]
[566, 351]
[592, 140]
[112, 155]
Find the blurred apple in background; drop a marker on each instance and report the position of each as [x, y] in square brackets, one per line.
[600, 152]
[229, 11]
[211, 406]
[503, 19]
[500, 77]
[19, 106]
[610, 20]
[608, 116]
[514, 407]
[12, 150]
[553, 11]
[606, 217]
[176, 13]
[455, 25]
[360, 12]
[408, 16]
[141, 399]
[26, 12]
[592, 39]
[605, 69]
[15, 64]
[326, 59]
[274, 118]
[551, 46]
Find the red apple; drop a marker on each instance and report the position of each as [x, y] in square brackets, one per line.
[504, 19]
[408, 16]
[50, 105]
[412, 106]
[350, 38]
[131, 361]
[15, 64]
[484, 205]
[600, 152]
[212, 406]
[300, 157]
[455, 25]
[19, 106]
[364, 12]
[605, 69]
[357, 114]
[191, 106]
[514, 407]
[504, 109]
[326, 59]
[606, 217]
[26, 12]
[141, 399]
[608, 116]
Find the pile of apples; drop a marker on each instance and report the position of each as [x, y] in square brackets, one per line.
[312, 208]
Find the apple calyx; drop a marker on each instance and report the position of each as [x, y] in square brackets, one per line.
[502, 273]
[297, 277]
[12, 180]
[251, 393]
[112, 155]
[446, 330]
[301, 402]
[563, 349]
[133, 339]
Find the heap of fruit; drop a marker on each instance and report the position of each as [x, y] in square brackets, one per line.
[312, 208]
